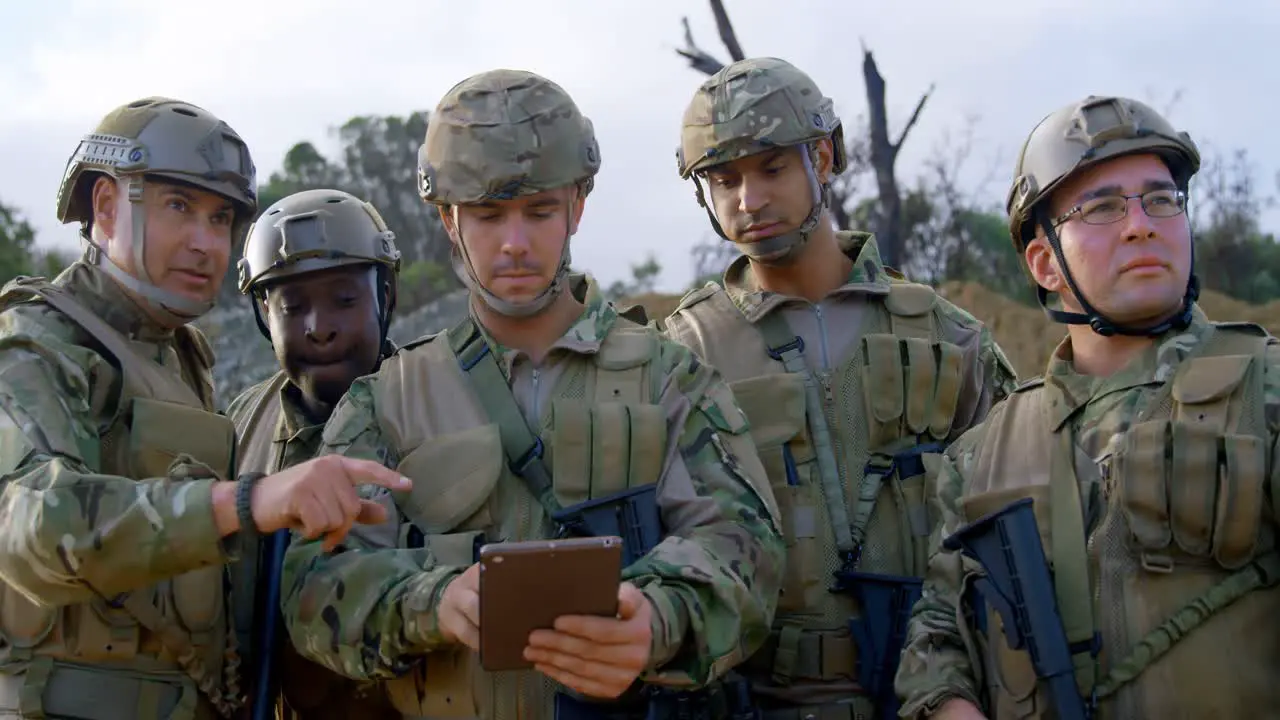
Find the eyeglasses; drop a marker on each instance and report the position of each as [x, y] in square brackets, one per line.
[1107, 209]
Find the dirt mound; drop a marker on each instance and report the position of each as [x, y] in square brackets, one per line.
[1024, 332]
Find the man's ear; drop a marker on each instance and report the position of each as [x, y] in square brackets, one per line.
[824, 160]
[104, 199]
[576, 207]
[1043, 265]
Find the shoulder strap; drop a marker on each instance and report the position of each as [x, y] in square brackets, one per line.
[1070, 556]
[115, 343]
[788, 348]
[194, 349]
[522, 447]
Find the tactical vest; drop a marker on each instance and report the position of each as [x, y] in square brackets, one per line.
[603, 432]
[845, 451]
[165, 651]
[310, 691]
[1167, 575]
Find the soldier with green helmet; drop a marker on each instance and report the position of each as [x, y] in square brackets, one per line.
[120, 498]
[543, 398]
[1147, 452]
[853, 379]
[320, 268]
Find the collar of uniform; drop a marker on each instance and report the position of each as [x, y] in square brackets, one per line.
[1071, 390]
[98, 292]
[294, 425]
[868, 277]
[584, 336]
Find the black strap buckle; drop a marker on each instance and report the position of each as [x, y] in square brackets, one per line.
[469, 362]
[521, 464]
[796, 344]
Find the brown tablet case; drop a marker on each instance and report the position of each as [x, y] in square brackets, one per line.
[525, 586]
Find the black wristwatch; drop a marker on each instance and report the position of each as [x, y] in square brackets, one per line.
[244, 500]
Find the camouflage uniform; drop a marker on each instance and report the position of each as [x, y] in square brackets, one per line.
[307, 232]
[113, 598]
[1151, 490]
[616, 408]
[896, 373]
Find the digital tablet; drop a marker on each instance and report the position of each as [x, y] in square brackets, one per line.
[525, 586]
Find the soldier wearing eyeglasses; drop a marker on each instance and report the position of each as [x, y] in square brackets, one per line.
[1148, 449]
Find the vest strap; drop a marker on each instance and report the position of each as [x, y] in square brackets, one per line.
[522, 447]
[788, 348]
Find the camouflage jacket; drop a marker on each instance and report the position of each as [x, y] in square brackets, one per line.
[71, 534]
[276, 433]
[272, 411]
[1146, 532]
[918, 405]
[369, 610]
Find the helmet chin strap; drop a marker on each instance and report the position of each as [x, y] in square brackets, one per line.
[783, 249]
[465, 270]
[1100, 323]
[171, 308]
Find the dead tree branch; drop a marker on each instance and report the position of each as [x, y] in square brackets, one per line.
[884, 157]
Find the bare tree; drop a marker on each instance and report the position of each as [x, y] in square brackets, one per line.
[884, 158]
[869, 147]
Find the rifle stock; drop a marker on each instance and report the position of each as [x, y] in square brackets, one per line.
[631, 515]
[880, 630]
[1018, 585]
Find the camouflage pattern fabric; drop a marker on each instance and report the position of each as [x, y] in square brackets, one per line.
[501, 134]
[1217, 662]
[71, 534]
[753, 106]
[726, 328]
[368, 611]
[278, 438]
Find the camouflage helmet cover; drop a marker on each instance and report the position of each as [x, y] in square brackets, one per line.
[751, 106]
[315, 230]
[1081, 135]
[162, 137]
[505, 133]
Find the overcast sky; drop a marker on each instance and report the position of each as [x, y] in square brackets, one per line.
[281, 71]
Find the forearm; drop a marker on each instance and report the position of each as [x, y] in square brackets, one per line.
[69, 535]
[714, 583]
[938, 658]
[936, 663]
[363, 612]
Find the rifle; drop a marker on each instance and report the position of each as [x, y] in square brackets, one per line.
[266, 686]
[1018, 585]
[880, 631]
[631, 515]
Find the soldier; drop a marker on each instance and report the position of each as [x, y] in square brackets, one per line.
[320, 266]
[582, 404]
[852, 378]
[1147, 451]
[120, 504]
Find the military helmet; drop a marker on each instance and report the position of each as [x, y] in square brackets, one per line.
[755, 105]
[1081, 135]
[505, 133]
[163, 137]
[315, 230]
